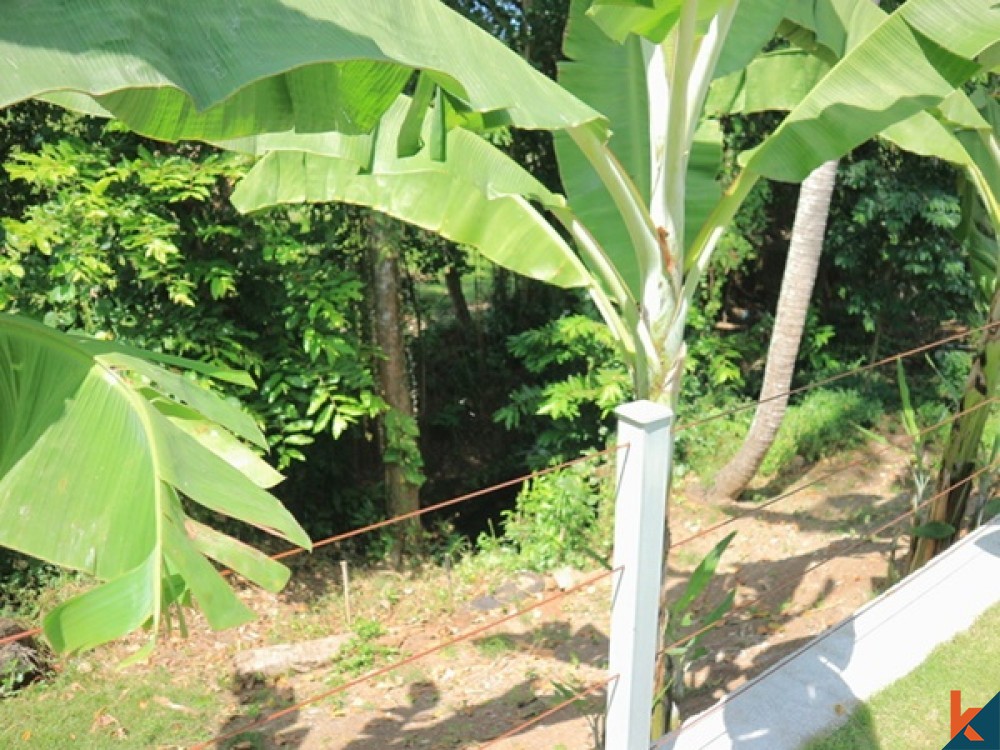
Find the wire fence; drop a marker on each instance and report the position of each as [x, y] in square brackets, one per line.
[452, 502]
[575, 696]
[788, 586]
[838, 377]
[755, 509]
[544, 601]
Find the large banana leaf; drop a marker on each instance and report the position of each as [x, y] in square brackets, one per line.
[610, 77]
[96, 447]
[191, 69]
[781, 80]
[906, 65]
[653, 19]
[478, 196]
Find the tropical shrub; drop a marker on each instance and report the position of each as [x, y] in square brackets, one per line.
[133, 241]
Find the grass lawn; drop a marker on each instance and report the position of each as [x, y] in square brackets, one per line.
[96, 708]
[914, 712]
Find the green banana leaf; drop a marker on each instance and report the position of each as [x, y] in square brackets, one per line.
[906, 65]
[96, 449]
[610, 77]
[478, 196]
[201, 70]
[777, 80]
[752, 28]
[652, 20]
[781, 80]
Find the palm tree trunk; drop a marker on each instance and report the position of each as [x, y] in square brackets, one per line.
[789, 322]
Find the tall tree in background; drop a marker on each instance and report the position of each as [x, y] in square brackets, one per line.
[398, 434]
[801, 266]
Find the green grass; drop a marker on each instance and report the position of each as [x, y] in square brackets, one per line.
[493, 646]
[101, 708]
[914, 712]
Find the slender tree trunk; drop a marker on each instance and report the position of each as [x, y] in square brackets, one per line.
[789, 322]
[398, 424]
[961, 452]
[453, 281]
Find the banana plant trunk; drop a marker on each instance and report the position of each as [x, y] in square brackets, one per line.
[961, 452]
[801, 267]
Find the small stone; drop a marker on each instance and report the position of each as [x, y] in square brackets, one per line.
[565, 578]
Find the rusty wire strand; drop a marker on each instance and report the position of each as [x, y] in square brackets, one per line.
[878, 452]
[397, 519]
[448, 503]
[593, 688]
[843, 553]
[834, 378]
[19, 636]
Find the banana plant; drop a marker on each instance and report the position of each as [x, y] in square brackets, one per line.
[962, 129]
[98, 445]
[974, 126]
[643, 209]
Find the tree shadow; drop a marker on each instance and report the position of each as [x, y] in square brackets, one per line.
[250, 727]
[808, 691]
[775, 592]
[420, 719]
[416, 723]
[406, 727]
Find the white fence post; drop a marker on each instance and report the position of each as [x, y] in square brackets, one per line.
[643, 469]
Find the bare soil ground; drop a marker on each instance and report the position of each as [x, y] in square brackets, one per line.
[471, 692]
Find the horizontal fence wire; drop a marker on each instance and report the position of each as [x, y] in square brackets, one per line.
[583, 692]
[467, 635]
[756, 508]
[19, 636]
[399, 519]
[453, 501]
[843, 553]
[835, 378]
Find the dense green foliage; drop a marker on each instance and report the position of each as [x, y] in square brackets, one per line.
[133, 240]
[137, 242]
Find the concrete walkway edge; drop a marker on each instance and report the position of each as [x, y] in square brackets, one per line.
[815, 688]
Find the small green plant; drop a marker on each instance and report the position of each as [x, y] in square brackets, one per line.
[573, 690]
[362, 652]
[920, 472]
[682, 619]
[984, 503]
[493, 646]
[556, 519]
[574, 380]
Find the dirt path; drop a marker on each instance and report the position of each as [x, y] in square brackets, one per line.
[472, 692]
